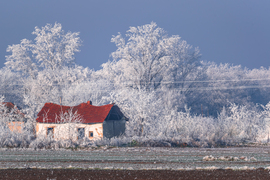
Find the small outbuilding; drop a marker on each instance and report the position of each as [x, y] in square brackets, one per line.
[15, 118]
[81, 121]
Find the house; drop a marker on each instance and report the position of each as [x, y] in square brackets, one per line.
[77, 122]
[15, 118]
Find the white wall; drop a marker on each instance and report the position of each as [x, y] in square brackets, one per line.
[69, 130]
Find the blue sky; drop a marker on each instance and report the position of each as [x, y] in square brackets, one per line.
[226, 31]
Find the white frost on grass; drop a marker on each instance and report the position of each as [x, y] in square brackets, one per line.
[227, 158]
[145, 169]
[215, 168]
[188, 169]
[69, 167]
[57, 167]
[209, 158]
[222, 158]
[246, 168]
[244, 158]
[180, 169]
[211, 168]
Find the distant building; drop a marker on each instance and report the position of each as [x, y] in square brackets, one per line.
[81, 121]
[16, 120]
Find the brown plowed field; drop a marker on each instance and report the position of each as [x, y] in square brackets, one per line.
[59, 174]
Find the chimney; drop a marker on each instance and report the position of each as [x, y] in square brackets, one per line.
[89, 102]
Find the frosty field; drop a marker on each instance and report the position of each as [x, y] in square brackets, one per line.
[138, 158]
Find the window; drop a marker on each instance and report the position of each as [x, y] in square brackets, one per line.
[91, 134]
[50, 131]
[80, 133]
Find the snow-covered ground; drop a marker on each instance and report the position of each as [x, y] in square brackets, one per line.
[138, 158]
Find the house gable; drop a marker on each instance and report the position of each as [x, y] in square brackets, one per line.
[115, 123]
[115, 114]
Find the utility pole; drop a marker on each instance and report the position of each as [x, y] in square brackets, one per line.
[202, 109]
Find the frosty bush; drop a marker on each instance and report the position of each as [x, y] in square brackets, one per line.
[242, 124]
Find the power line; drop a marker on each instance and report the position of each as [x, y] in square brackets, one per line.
[213, 81]
[190, 89]
[227, 88]
[174, 82]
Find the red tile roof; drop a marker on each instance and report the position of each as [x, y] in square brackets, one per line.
[11, 106]
[88, 112]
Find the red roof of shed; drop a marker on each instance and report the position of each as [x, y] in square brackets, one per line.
[10, 106]
[88, 112]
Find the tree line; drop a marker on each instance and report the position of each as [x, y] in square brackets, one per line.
[159, 81]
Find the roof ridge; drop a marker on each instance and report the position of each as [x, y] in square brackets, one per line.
[89, 113]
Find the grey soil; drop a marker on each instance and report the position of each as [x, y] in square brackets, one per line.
[34, 174]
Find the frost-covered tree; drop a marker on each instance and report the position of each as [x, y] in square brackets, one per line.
[52, 49]
[11, 86]
[47, 64]
[45, 89]
[148, 59]
[143, 57]
[225, 84]
[21, 58]
[96, 91]
[151, 73]
[147, 56]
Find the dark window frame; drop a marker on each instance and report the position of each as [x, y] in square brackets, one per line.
[91, 134]
[50, 130]
[79, 130]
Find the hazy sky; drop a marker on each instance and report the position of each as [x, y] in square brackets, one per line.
[226, 31]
